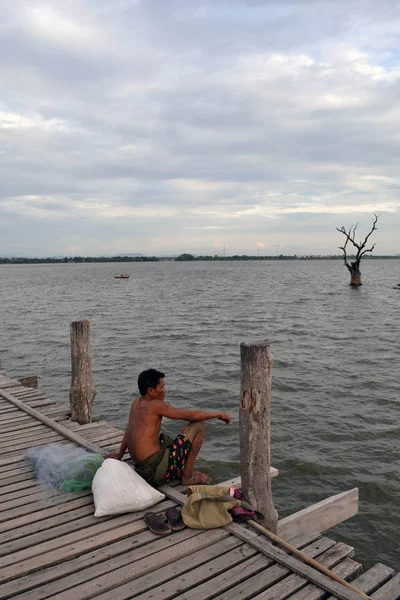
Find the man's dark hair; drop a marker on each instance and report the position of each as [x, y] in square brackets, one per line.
[148, 379]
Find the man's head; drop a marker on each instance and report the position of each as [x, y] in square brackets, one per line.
[152, 381]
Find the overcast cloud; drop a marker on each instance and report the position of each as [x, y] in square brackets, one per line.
[162, 126]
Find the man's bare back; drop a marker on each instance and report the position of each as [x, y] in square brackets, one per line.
[142, 435]
[143, 430]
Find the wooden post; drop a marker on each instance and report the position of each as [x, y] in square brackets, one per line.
[82, 389]
[254, 428]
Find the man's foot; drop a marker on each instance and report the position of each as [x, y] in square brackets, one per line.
[196, 478]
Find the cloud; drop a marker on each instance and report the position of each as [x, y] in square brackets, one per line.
[260, 122]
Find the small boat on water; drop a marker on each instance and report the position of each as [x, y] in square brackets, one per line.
[122, 276]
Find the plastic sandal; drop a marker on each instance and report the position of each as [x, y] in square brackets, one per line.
[174, 518]
[156, 523]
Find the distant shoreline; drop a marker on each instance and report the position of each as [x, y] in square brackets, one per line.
[180, 258]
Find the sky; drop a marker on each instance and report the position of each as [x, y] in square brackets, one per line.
[170, 126]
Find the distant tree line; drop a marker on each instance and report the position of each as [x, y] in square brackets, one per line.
[189, 257]
[181, 257]
[79, 259]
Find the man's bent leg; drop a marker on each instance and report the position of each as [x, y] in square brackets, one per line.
[195, 432]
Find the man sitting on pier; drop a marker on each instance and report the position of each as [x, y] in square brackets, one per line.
[157, 457]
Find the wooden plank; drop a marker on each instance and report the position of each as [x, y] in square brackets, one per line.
[11, 417]
[347, 569]
[32, 435]
[9, 470]
[279, 556]
[76, 427]
[24, 469]
[109, 442]
[242, 583]
[33, 430]
[27, 423]
[64, 410]
[9, 383]
[9, 501]
[56, 416]
[292, 563]
[248, 582]
[389, 591]
[25, 390]
[23, 431]
[89, 433]
[62, 577]
[21, 477]
[6, 409]
[28, 395]
[15, 421]
[59, 528]
[40, 403]
[106, 437]
[20, 485]
[293, 582]
[370, 581]
[49, 523]
[252, 572]
[10, 461]
[56, 426]
[72, 550]
[35, 502]
[130, 580]
[78, 531]
[17, 519]
[7, 466]
[320, 516]
[42, 440]
[28, 435]
[225, 566]
[17, 490]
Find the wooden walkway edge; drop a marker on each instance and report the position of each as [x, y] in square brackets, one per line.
[52, 546]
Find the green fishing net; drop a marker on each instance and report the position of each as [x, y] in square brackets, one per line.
[64, 468]
[81, 473]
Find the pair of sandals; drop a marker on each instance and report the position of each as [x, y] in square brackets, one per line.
[165, 522]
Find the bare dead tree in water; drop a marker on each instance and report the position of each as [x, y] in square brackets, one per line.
[354, 266]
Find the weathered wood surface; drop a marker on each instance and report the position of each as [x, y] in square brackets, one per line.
[52, 547]
[321, 516]
[82, 389]
[254, 429]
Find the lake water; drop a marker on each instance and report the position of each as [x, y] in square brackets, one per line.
[335, 412]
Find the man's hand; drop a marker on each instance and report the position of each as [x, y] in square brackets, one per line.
[224, 417]
[115, 455]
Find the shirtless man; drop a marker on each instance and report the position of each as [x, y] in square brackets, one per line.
[157, 457]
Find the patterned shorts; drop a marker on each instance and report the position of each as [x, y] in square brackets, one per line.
[178, 454]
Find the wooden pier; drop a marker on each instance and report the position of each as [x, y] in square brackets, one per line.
[52, 547]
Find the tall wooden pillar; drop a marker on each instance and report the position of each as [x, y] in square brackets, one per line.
[254, 427]
[82, 389]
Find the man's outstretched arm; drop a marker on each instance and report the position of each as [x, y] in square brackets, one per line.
[169, 411]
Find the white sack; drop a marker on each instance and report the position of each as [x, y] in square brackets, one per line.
[118, 489]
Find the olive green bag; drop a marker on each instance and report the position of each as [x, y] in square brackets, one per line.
[208, 506]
